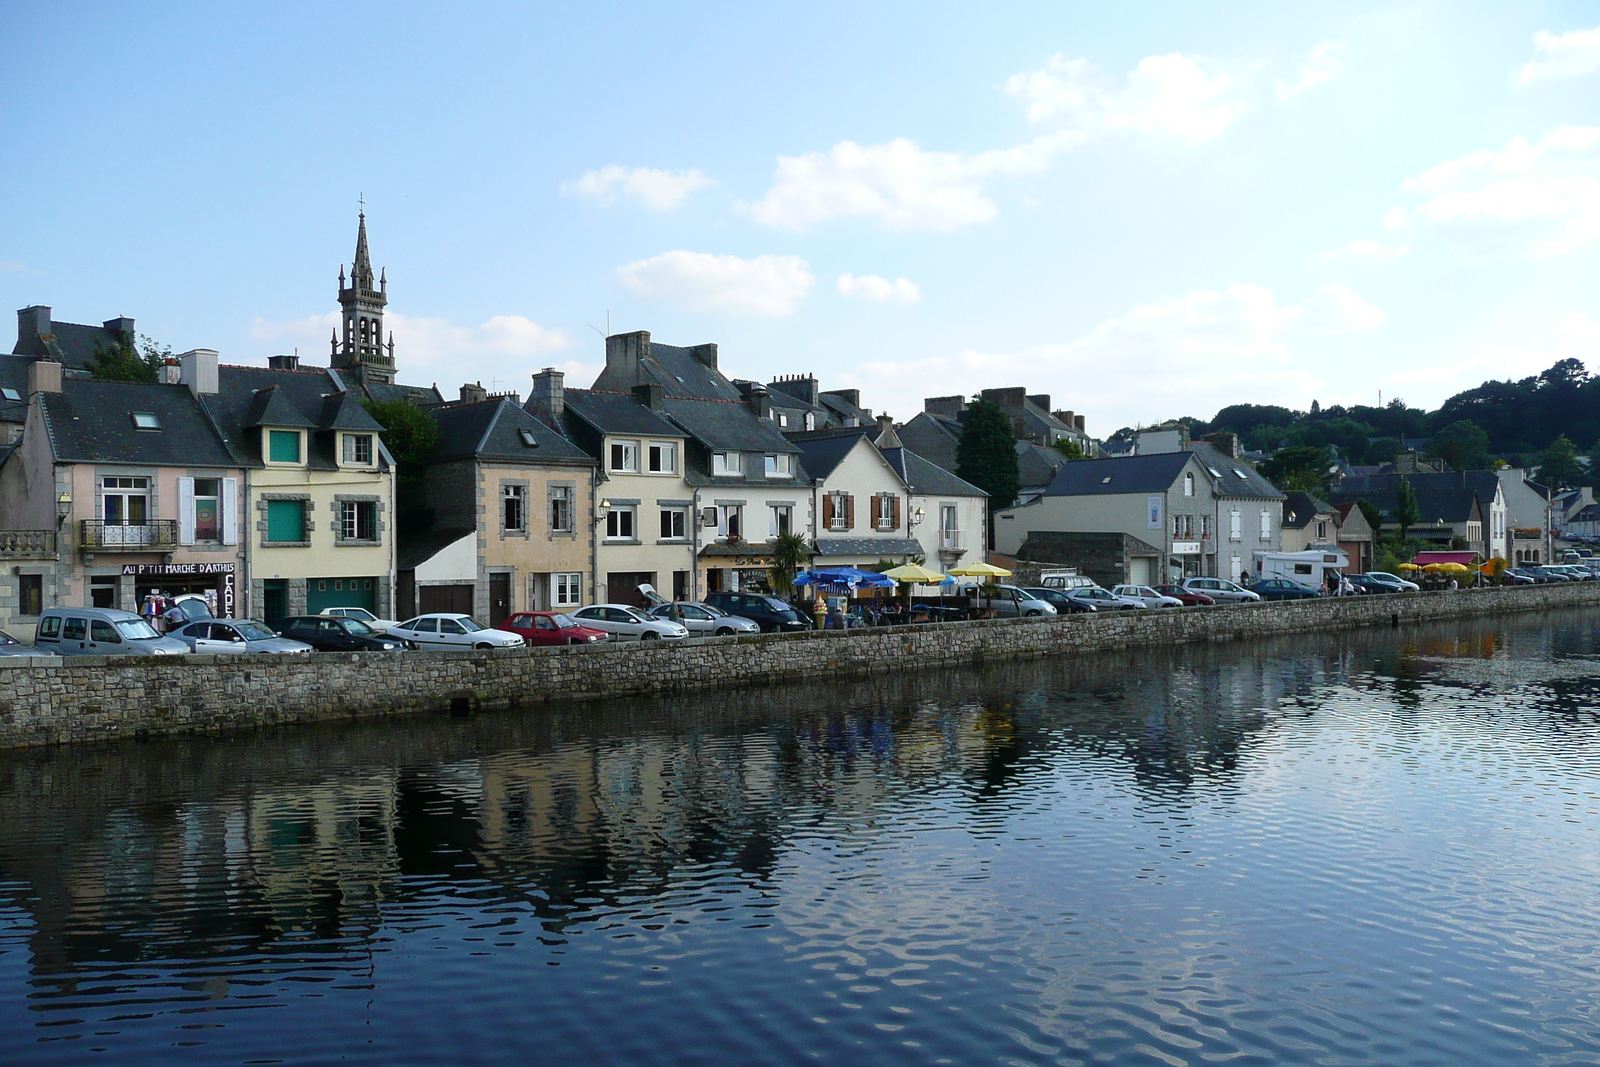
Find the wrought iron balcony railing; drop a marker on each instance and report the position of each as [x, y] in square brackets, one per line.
[104, 535]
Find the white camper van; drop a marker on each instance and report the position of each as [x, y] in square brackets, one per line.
[1309, 568]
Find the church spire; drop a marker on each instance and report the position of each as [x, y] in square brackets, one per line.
[361, 348]
[361, 270]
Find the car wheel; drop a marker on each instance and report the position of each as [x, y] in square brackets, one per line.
[724, 632]
[481, 646]
[1034, 614]
[649, 635]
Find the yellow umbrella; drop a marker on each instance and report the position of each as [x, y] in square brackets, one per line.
[1455, 568]
[1409, 567]
[1435, 568]
[981, 570]
[914, 573]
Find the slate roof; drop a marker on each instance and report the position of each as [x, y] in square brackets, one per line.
[618, 413]
[1110, 477]
[722, 424]
[936, 438]
[417, 549]
[1300, 508]
[71, 344]
[292, 398]
[868, 546]
[420, 395]
[678, 373]
[823, 450]
[14, 375]
[926, 478]
[92, 422]
[1036, 464]
[1484, 483]
[1451, 505]
[491, 430]
[843, 409]
[1232, 477]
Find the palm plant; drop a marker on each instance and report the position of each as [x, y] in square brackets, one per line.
[790, 555]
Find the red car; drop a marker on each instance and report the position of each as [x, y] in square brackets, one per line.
[1190, 598]
[551, 628]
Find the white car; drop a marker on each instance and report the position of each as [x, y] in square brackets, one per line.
[626, 623]
[1221, 590]
[1146, 596]
[1410, 587]
[361, 615]
[705, 620]
[446, 630]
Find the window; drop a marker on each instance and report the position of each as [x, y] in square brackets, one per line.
[528, 440]
[286, 520]
[1235, 531]
[207, 509]
[727, 463]
[568, 589]
[1205, 527]
[780, 466]
[1188, 484]
[673, 524]
[949, 526]
[783, 420]
[283, 446]
[730, 520]
[144, 420]
[11, 395]
[838, 511]
[782, 520]
[885, 511]
[561, 509]
[358, 449]
[625, 456]
[1322, 530]
[126, 501]
[514, 508]
[619, 524]
[30, 594]
[811, 420]
[1266, 525]
[663, 457]
[358, 520]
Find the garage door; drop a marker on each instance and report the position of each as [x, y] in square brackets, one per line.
[456, 599]
[341, 593]
[1139, 570]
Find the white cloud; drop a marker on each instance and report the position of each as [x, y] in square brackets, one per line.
[661, 190]
[1175, 95]
[1563, 55]
[1368, 249]
[699, 281]
[1320, 66]
[427, 343]
[1190, 355]
[872, 287]
[1541, 198]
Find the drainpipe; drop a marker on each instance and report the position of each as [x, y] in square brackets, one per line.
[694, 549]
[594, 533]
[246, 583]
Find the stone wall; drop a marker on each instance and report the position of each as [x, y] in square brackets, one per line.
[94, 698]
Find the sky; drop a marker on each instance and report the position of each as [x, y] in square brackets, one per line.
[1144, 210]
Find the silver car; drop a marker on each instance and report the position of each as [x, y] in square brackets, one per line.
[703, 620]
[100, 632]
[1104, 599]
[1007, 601]
[1221, 590]
[235, 637]
[624, 622]
[1146, 596]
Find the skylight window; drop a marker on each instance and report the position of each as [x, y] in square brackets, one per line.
[1239, 472]
[145, 420]
[528, 440]
[11, 395]
[1214, 472]
[1106, 480]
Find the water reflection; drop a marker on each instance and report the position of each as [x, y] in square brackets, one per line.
[813, 871]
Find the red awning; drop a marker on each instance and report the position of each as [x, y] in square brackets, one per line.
[1425, 558]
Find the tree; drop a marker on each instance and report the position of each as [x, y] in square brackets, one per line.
[411, 434]
[1462, 445]
[1558, 465]
[790, 555]
[123, 362]
[1069, 448]
[1406, 509]
[1372, 514]
[986, 455]
[1298, 468]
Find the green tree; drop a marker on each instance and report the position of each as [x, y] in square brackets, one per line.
[411, 434]
[125, 362]
[986, 455]
[1406, 509]
[1558, 465]
[790, 555]
[1373, 515]
[1298, 468]
[1462, 445]
[1069, 449]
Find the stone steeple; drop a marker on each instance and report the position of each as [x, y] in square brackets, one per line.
[362, 349]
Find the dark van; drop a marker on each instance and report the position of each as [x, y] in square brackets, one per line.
[767, 612]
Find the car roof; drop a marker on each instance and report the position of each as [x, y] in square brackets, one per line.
[441, 615]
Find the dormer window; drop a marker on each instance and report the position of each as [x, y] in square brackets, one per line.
[727, 463]
[780, 466]
[145, 420]
[358, 449]
[283, 446]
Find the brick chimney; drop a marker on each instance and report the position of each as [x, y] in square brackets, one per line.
[547, 401]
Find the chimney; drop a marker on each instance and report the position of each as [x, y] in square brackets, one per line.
[171, 373]
[1040, 401]
[284, 362]
[44, 376]
[887, 438]
[624, 353]
[948, 406]
[32, 324]
[1226, 443]
[849, 396]
[120, 326]
[1066, 418]
[800, 386]
[650, 394]
[706, 354]
[547, 401]
[1010, 397]
[198, 370]
[759, 399]
[1078, 421]
[472, 392]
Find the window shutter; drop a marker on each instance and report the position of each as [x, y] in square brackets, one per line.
[877, 511]
[850, 512]
[230, 511]
[827, 511]
[186, 511]
[894, 512]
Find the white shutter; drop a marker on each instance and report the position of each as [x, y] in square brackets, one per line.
[186, 511]
[230, 511]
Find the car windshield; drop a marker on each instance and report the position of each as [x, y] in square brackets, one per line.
[470, 625]
[136, 630]
[358, 628]
[636, 615]
[358, 614]
[7, 639]
[253, 632]
[715, 613]
[563, 622]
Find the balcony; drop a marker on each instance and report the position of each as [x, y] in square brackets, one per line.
[101, 535]
[27, 544]
[952, 541]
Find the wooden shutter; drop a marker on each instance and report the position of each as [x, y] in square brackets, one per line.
[877, 510]
[186, 511]
[230, 511]
[894, 512]
[827, 511]
[850, 511]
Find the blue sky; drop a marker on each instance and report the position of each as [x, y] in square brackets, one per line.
[1144, 210]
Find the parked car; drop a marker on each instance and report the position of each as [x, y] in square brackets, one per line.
[448, 630]
[624, 622]
[767, 612]
[703, 620]
[1283, 589]
[1006, 601]
[1571, 570]
[1103, 599]
[1147, 596]
[360, 615]
[1394, 579]
[1367, 585]
[1532, 574]
[552, 628]
[331, 633]
[1221, 590]
[100, 632]
[1511, 577]
[10, 646]
[235, 637]
[1187, 597]
[1058, 599]
[1550, 574]
[1067, 581]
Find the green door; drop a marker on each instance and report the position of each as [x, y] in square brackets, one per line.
[341, 593]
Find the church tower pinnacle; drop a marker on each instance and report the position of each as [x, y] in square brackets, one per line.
[363, 300]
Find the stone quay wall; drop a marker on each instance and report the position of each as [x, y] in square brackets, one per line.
[49, 701]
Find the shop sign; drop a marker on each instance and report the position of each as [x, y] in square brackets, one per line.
[227, 571]
[1186, 548]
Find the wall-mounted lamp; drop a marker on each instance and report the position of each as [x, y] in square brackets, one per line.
[605, 505]
[63, 508]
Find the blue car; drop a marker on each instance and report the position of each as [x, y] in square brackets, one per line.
[1283, 589]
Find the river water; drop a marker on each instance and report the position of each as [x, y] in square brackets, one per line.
[1374, 847]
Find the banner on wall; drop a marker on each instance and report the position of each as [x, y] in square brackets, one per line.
[228, 572]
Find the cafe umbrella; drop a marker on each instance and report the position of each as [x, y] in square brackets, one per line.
[987, 571]
[910, 574]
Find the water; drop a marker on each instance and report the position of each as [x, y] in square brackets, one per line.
[1365, 848]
